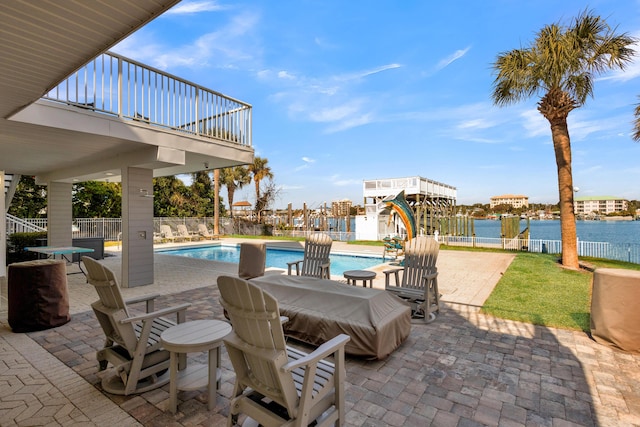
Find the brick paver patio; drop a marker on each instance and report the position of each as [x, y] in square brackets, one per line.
[464, 369]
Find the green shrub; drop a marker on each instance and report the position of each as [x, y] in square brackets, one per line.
[18, 241]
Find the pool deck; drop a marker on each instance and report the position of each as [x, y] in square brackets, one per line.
[464, 369]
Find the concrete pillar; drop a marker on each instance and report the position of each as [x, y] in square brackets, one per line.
[59, 214]
[3, 232]
[137, 227]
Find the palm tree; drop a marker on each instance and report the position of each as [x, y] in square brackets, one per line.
[636, 130]
[234, 179]
[562, 64]
[259, 170]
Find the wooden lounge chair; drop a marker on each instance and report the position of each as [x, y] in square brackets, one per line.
[204, 232]
[315, 263]
[419, 283]
[184, 234]
[277, 385]
[132, 342]
[167, 233]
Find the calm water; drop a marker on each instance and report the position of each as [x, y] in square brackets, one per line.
[276, 257]
[588, 231]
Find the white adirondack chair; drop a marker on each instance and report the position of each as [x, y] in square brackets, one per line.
[132, 342]
[277, 385]
[419, 283]
[315, 263]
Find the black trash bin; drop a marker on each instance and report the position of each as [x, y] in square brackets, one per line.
[95, 243]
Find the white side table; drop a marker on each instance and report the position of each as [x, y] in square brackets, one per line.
[190, 337]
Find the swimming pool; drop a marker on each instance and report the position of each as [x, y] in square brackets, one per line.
[277, 258]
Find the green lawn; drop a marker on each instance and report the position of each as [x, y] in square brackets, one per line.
[536, 289]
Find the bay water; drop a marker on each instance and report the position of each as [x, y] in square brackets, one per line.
[588, 231]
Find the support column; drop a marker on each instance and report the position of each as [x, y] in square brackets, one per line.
[137, 227]
[3, 232]
[59, 214]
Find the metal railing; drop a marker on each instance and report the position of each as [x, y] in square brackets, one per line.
[340, 236]
[628, 252]
[19, 225]
[110, 229]
[116, 85]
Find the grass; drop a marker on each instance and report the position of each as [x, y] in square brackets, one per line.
[536, 289]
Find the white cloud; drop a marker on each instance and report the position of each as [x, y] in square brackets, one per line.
[231, 45]
[452, 58]
[322, 43]
[479, 140]
[351, 122]
[476, 124]
[534, 123]
[331, 99]
[367, 73]
[580, 130]
[286, 75]
[190, 7]
[307, 162]
[632, 71]
[337, 113]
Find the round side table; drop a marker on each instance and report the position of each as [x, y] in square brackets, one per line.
[365, 275]
[190, 337]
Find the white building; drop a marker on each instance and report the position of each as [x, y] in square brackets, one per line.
[429, 200]
[602, 205]
[515, 200]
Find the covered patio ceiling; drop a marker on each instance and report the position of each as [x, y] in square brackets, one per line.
[43, 42]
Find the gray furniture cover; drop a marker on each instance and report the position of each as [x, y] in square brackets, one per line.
[253, 257]
[615, 318]
[320, 309]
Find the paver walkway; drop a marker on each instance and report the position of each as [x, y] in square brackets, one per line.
[464, 369]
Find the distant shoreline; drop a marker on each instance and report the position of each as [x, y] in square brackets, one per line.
[603, 218]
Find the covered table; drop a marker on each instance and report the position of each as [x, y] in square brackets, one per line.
[615, 318]
[320, 309]
[37, 294]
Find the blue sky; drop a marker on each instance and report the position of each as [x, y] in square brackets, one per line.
[345, 91]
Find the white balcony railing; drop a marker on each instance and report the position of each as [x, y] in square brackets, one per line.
[113, 84]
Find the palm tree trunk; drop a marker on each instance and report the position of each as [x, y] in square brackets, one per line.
[562, 148]
[257, 199]
[216, 208]
[230, 192]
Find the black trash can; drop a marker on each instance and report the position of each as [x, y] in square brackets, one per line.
[95, 243]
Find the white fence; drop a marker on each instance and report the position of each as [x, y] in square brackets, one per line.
[628, 252]
[110, 229]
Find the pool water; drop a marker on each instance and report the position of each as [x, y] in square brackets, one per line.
[277, 258]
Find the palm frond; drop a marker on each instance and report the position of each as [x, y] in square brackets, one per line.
[566, 58]
[636, 132]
